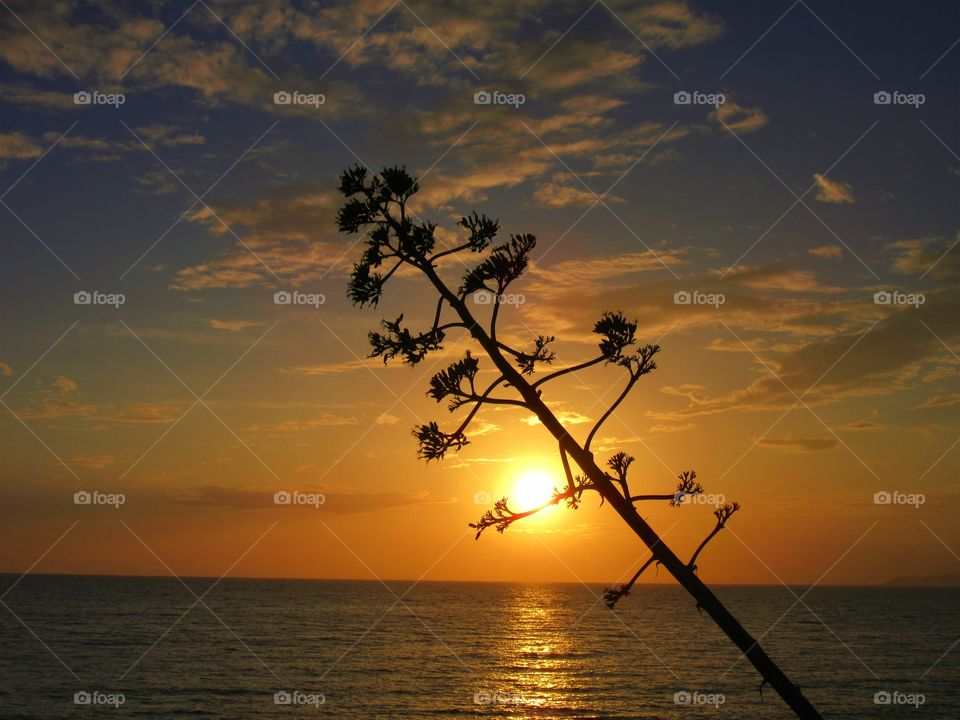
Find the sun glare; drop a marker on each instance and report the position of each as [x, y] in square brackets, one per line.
[532, 489]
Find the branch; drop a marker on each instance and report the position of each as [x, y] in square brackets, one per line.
[564, 371]
[612, 594]
[609, 412]
[501, 516]
[722, 513]
[620, 464]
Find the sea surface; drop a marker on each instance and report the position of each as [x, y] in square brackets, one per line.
[147, 647]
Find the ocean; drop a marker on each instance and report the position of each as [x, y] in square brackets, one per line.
[146, 647]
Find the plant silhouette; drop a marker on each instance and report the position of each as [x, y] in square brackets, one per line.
[378, 204]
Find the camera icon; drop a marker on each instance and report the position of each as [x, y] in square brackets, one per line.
[682, 697]
[82, 298]
[482, 498]
[484, 297]
[882, 297]
[282, 98]
[82, 497]
[482, 698]
[682, 97]
[82, 698]
[882, 698]
[282, 297]
[282, 497]
[82, 98]
[282, 698]
[682, 297]
[882, 498]
[882, 98]
[482, 97]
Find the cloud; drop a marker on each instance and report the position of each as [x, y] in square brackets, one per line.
[387, 419]
[17, 146]
[800, 444]
[323, 420]
[862, 363]
[672, 25]
[5, 370]
[567, 417]
[88, 462]
[64, 385]
[774, 277]
[232, 325]
[939, 401]
[823, 252]
[832, 191]
[932, 255]
[738, 118]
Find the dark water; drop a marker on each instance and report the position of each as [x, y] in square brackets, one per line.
[350, 649]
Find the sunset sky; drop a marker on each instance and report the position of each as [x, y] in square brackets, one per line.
[199, 197]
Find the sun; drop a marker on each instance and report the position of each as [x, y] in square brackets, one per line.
[532, 489]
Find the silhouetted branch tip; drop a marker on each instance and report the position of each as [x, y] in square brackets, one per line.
[540, 354]
[449, 382]
[505, 264]
[434, 443]
[501, 516]
[399, 341]
[687, 485]
[482, 230]
[617, 333]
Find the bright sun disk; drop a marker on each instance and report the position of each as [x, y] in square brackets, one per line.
[532, 489]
